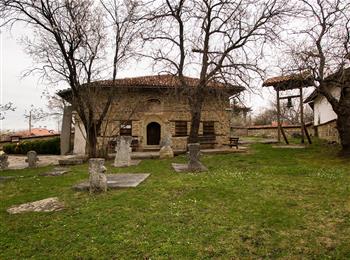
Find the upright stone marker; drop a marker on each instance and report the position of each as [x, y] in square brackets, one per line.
[194, 158]
[166, 151]
[3, 161]
[123, 151]
[65, 142]
[32, 159]
[97, 176]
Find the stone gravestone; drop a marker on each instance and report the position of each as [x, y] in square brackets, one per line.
[32, 159]
[123, 151]
[194, 158]
[166, 151]
[3, 161]
[97, 176]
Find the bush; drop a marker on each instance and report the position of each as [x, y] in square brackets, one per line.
[51, 146]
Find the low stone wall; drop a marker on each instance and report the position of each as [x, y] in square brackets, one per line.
[328, 131]
[269, 131]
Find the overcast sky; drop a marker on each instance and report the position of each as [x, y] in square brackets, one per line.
[24, 92]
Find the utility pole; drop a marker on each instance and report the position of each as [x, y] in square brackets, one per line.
[30, 122]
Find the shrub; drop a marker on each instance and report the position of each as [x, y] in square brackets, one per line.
[50, 146]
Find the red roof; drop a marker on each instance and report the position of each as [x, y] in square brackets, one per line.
[159, 81]
[34, 132]
[168, 81]
[289, 81]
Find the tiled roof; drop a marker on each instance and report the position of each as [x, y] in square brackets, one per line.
[34, 132]
[168, 81]
[286, 82]
[339, 74]
[159, 81]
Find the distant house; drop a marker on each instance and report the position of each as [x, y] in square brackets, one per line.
[27, 135]
[35, 132]
[150, 108]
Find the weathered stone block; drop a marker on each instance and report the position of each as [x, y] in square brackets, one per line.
[3, 161]
[45, 205]
[123, 151]
[32, 159]
[70, 161]
[97, 179]
[166, 152]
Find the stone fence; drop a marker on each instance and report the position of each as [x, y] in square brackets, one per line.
[268, 131]
[328, 131]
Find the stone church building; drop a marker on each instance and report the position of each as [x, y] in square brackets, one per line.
[152, 107]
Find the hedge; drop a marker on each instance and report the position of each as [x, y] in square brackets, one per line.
[51, 146]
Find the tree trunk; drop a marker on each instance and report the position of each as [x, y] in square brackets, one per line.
[343, 124]
[196, 111]
[91, 138]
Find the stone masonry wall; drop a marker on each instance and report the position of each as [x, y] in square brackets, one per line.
[144, 107]
[268, 131]
[328, 131]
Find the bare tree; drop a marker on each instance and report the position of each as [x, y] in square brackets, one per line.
[228, 35]
[5, 108]
[325, 52]
[215, 39]
[70, 45]
[289, 115]
[55, 107]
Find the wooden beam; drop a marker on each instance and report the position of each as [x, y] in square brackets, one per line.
[278, 115]
[302, 115]
[307, 135]
[292, 96]
[284, 135]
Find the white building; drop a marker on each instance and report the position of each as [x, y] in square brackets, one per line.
[324, 115]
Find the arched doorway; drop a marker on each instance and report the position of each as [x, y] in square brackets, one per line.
[153, 133]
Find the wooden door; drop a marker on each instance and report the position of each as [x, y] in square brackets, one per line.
[153, 133]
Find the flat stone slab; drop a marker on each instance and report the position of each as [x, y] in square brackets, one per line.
[132, 163]
[70, 161]
[45, 205]
[115, 181]
[135, 162]
[56, 172]
[179, 167]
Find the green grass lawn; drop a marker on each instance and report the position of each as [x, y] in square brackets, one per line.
[268, 203]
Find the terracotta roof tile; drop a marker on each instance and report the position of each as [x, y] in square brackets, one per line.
[169, 81]
[34, 132]
[158, 81]
[300, 77]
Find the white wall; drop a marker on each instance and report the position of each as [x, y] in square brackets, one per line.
[323, 111]
[79, 138]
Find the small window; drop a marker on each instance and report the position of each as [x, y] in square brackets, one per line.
[208, 128]
[180, 128]
[126, 128]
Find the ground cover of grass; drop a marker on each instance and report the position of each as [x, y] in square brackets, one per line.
[268, 203]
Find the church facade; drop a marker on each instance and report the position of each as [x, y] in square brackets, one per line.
[153, 107]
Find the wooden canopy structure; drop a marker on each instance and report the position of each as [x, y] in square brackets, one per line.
[290, 82]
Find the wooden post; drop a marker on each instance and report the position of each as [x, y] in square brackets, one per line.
[278, 115]
[302, 116]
